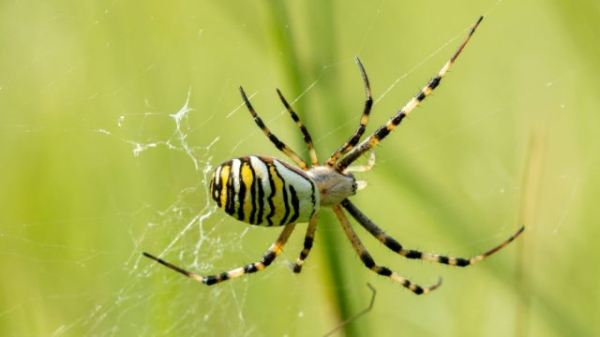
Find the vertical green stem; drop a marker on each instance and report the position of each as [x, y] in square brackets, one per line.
[322, 38]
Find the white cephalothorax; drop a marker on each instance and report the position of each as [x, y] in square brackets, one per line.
[333, 186]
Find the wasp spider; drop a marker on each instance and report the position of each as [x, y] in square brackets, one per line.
[265, 191]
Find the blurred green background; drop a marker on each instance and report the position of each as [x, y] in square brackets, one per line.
[97, 165]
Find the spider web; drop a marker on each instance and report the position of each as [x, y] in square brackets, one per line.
[173, 145]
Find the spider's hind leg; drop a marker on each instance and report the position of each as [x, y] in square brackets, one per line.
[268, 258]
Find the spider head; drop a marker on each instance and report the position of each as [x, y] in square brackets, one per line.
[333, 185]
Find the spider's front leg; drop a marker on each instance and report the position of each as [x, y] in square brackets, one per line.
[383, 131]
[370, 263]
[364, 120]
[395, 246]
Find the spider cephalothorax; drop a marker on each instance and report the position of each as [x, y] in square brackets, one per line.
[334, 186]
[265, 191]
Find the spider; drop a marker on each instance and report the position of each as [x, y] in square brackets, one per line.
[266, 191]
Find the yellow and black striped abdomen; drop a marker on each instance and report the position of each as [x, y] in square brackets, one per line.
[264, 191]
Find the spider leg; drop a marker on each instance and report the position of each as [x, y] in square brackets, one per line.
[279, 144]
[266, 260]
[307, 138]
[309, 238]
[361, 184]
[395, 246]
[386, 129]
[370, 263]
[355, 138]
[363, 168]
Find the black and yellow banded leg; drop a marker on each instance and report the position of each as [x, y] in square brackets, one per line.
[364, 120]
[275, 249]
[395, 246]
[307, 138]
[386, 129]
[309, 239]
[278, 143]
[370, 263]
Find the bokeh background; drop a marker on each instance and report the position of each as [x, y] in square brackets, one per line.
[113, 113]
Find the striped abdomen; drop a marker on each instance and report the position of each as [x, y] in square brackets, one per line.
[264, 191]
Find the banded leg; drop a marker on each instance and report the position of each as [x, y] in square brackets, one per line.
[308, 243]
[384, 130]
[354, 139]
[370, 263]
[395, 246]
[279, 144]
[307, 138]
[266, 260]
